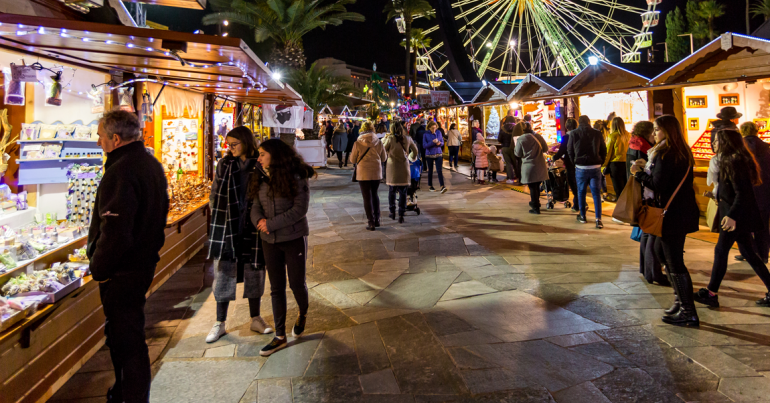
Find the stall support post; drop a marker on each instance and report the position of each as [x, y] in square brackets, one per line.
[651, 105]
[679, 111]
[238, 115]
[208, 134]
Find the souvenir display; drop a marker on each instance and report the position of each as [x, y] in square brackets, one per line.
[40, 131]
[180, 144]
[53, 91]
[29, 131]
[97, 99]
[14, 95]
[126, 99]
[81, 193]
[187, 193]
[47, 281]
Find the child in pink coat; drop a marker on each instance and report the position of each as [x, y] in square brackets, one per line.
[480, 151]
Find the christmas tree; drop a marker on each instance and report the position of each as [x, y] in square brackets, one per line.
[493, 125]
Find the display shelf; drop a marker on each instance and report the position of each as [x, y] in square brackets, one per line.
[174, 219]
[57, 141]
[25, 263]
[60, 159]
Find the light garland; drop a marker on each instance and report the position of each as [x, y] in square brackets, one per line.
[23, 30]
[151, 80]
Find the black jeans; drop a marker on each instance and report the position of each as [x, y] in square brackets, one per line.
[422, 157]
[671, 251]
[572, 182]
[439, 163]
[618, 176]
[534, 194]
[454, 155]
[339, 157]
[762, 238]
[347, 157]
[222, 307]
[282, 259]
[721, 254]
[401, 190]
[371, 199]
[123, 304]
[512, 163]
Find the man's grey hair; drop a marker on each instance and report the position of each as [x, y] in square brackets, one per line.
[422, 121]
[124, 124]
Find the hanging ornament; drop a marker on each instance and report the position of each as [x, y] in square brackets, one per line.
[97, 99]
[53, 90]
[126, 97]
[147, 110]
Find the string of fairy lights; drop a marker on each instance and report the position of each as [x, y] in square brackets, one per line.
[22, 30]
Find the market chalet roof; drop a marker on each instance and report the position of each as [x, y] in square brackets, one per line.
[494, 91]
[604, 77]
[465, 91]
[209, 64]
[533, 86]
[731, 57]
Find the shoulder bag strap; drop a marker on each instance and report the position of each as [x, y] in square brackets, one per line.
[364, 155]
[686, 174]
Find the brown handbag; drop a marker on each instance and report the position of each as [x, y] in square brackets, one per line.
[651, 218]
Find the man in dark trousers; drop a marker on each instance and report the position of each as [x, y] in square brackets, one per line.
[126, 234]
[587, 150]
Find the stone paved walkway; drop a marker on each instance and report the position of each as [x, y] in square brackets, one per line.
[473, 301]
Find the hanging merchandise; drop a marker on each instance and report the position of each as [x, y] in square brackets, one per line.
[23, 74]
[15, 93]
[287, 117]
[53, 90]
[126, 97]
[97, 99]
[83, 180]
[147, 110]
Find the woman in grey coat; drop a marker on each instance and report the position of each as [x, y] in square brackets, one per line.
[232, 237]
[281, 200]
[400, 149]
[340, 141]
[534, 171]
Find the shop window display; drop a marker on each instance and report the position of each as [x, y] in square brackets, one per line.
[632, 107]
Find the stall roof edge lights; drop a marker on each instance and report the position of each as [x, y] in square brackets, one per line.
[223, 66]
[552, 85]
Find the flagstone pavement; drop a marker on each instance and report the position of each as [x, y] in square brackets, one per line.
[474, 300]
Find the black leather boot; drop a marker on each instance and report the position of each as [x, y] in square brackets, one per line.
[674, 308]
[687, 315]
[392, 214]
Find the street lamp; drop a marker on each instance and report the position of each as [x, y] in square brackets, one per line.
[225, 23]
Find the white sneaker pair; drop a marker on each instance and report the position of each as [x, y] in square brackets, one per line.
[220, 329]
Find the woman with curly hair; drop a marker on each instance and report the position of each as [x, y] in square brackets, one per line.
[738, 174]
[281, 198]
[232, 237]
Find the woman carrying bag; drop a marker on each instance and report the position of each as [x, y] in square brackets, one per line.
[400, 149]
[670, 181]
[738, 174]
[367, 156]
[534, 171]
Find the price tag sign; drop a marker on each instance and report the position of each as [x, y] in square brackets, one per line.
[23, 73]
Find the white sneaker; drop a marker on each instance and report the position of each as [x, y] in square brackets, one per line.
[510, 181]
[216, 332]
[260, 326]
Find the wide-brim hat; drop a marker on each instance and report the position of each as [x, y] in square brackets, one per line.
[729, 113]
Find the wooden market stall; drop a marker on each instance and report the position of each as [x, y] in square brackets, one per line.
[731, 70]
[42, 350]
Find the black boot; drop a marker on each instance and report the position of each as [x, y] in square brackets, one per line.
[674, 308]
[401, 221]
[687, 315]
[370, 226]
[392, 214]
[534, 209]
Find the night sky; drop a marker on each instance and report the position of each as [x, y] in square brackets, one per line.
[376, 41]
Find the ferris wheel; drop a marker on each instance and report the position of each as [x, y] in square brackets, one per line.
[510, 38]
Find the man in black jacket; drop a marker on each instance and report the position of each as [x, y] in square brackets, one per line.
[126, 234]
[587, 150]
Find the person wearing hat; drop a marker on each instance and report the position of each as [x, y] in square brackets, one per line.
[728, 119]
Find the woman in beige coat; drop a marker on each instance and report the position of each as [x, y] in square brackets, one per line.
[368, 155]
[534, 171]
[397, 145]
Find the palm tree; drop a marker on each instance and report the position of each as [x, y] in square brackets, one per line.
[408, 10]
[318, 87]
[419, 41]
[283, 21]
[761, 9]
[710, 10]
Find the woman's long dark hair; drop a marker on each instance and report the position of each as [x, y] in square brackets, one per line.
[399, 132]
[735, 158]
[247, 140]
[675, 146]
[285, 164]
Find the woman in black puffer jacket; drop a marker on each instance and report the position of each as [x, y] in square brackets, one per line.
[281, 198]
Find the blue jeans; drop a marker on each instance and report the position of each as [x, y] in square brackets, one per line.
[454, 155]
[592, 178]
[438, 163]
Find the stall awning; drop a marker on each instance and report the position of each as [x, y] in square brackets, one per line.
[727, 58]
[193, 4]
[604, 77]
[208, 64]
[465, 92]
[534, 87]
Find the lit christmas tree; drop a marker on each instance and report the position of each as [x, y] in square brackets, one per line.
[493, 125]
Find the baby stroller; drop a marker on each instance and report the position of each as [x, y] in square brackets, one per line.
[557, 187]
[415, 170]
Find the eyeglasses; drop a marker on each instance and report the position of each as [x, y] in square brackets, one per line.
[233, 145]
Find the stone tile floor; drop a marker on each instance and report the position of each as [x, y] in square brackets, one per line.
[473, 301]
